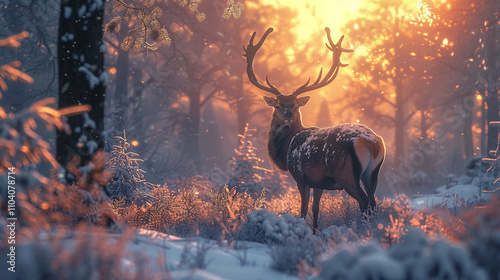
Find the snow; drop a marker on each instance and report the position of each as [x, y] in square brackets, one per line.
[93, 80]
[88, 122]
[164, 253]
[92, 146]
[81, 12]
[97, 4]
[449, 197]
[222, 261]
[414, 258]
[67, 37]
[353, 131]
[67, 12]
[103, 48]
[104, 78]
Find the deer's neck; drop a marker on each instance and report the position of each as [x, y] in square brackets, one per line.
[279, 138]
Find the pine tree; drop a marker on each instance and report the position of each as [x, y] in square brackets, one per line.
[128, 181]
[246, 172]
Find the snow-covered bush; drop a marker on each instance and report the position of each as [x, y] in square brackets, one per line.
[78, 255]
[474, 167]
[451, 181]
[418, 180]
[366, 262]
[20, 144]
[286, 257]
[339, 234]
[128, 183]
[194, 255]
[43, 202]
[231, 207]
[290, 239]
[265, 227]
[482, 235]
[415, 258]
[424, 259]
[246, 173]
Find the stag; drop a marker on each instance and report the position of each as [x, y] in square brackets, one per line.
[333, 158]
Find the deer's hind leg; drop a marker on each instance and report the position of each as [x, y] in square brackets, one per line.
[353, 188]
[349, 180]
[370, 181]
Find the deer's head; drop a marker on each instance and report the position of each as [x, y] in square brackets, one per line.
[286, 107]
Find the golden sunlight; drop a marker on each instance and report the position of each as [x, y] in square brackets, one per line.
[319, 14]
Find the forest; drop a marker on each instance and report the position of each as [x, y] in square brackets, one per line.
[166, 139]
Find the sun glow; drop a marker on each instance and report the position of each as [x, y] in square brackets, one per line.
[316, 15]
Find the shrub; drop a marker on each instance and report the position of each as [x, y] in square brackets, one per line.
[245, 170]
[128, 183]
[290, 239]
[482, 235]
[194, 255]
[414, 258]
[265, 227]
[287, 257]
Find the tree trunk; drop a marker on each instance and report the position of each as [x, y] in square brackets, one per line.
[121, 89]
[192, 143]
[483, 130]
[243, 113]
[81, 78]
[492, 76]
[136, 125]
[399, 122]
[423, 125]
[467, 134]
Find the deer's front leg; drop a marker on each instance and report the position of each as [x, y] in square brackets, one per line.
[317, 197]
[304, 197]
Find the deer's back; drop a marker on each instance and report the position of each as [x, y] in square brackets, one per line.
[318, 154]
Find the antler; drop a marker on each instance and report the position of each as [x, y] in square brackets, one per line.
[337, 50]
[250, 52]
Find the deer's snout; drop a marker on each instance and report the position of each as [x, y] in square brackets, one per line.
[288, 115]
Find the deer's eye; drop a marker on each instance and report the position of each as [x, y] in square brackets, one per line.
[278, 107]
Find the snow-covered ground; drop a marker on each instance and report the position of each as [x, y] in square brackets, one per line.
[222, 262]
[447, 197]
[463, 190]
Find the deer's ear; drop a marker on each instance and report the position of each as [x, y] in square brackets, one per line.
[270, 101]
[303, 100]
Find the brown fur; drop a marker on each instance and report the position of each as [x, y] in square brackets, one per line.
[332, 158]
[324, 158]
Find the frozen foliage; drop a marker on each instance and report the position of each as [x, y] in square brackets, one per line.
[483, 236]
[265, 227]
[194, 255]
[415, 258]
[288, 256]
[451, 181]
[459, 191]
[20, 144]
[75, 255]
[369, 262]
[128, 183]
[245, 171]
[339, 234]
[290, 238]
[91, 78]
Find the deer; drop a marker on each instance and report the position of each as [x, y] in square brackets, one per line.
[333, 158]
